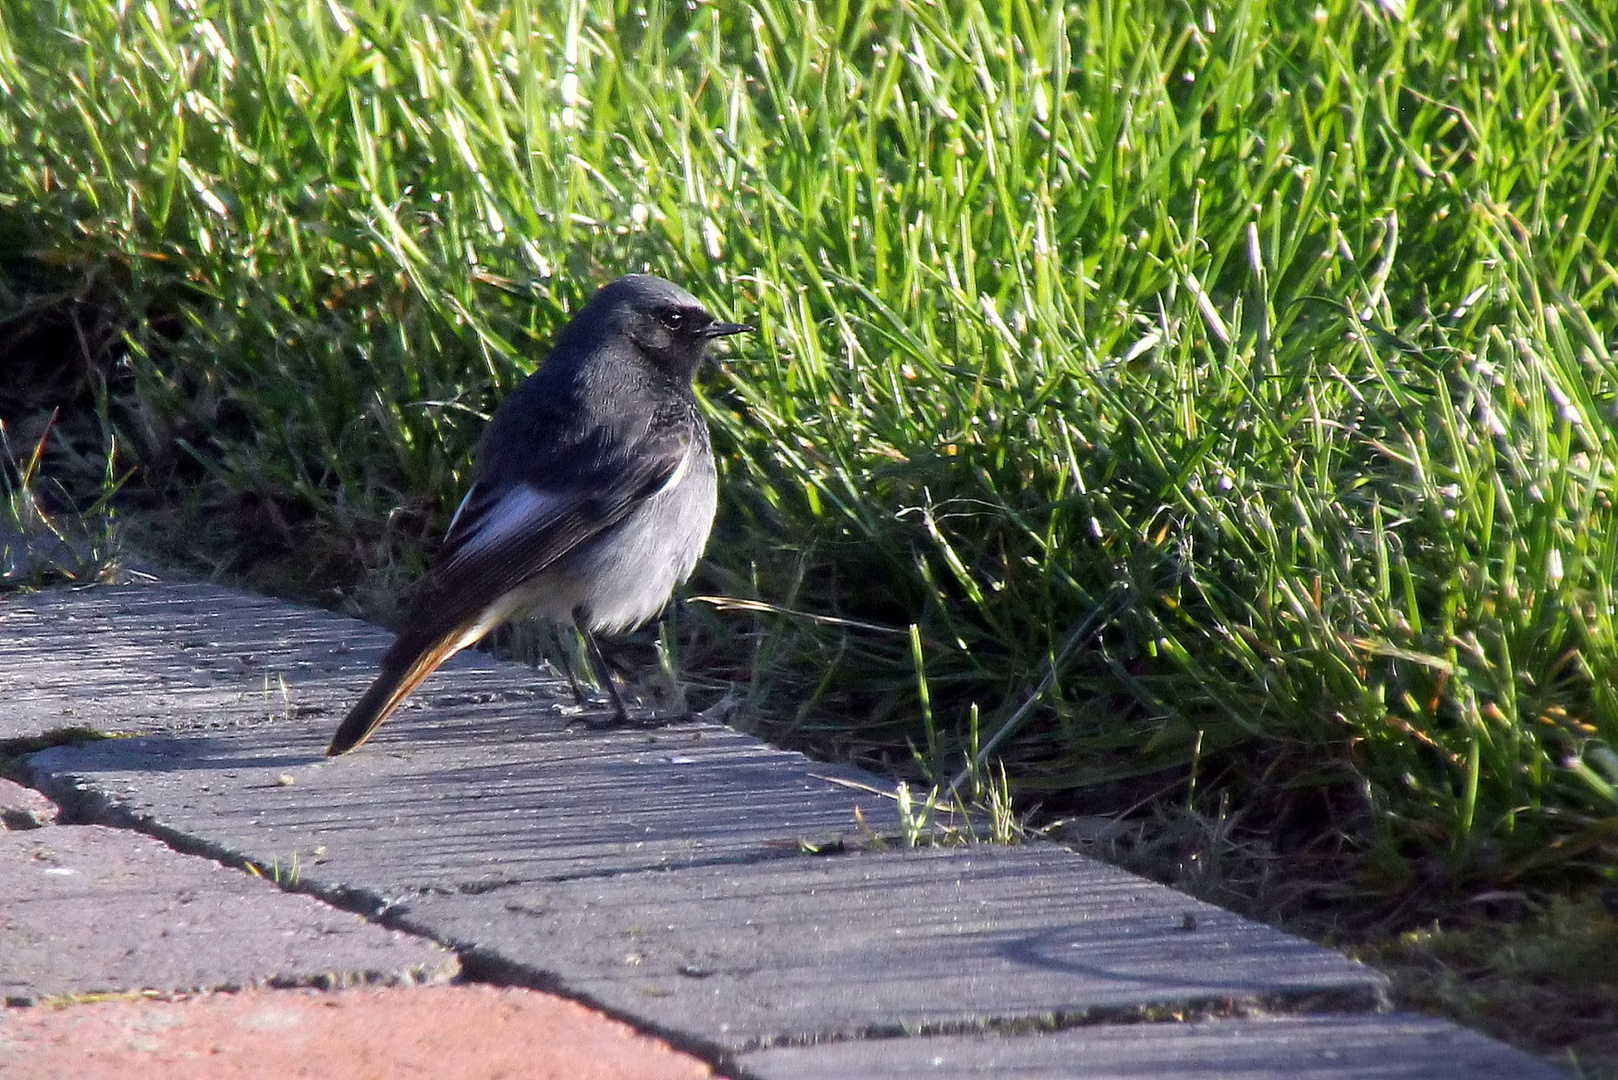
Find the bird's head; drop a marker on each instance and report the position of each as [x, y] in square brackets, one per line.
[670, 327]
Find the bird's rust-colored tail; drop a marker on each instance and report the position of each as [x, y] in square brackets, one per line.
[400, 675]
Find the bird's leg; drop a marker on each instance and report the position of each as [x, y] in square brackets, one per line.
[567, 668]
[604, 667]
[604, 674]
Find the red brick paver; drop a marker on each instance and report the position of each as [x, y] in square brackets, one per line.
[24, 808]
[475, 1032]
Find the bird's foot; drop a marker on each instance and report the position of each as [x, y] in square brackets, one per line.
[610, 721]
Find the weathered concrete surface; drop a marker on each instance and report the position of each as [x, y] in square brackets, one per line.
[1278, 1048]
[458, 798]
[122, 659]
[478, 780]
[881, 943]
[468, 1032]
[86, 909]
[661, 874]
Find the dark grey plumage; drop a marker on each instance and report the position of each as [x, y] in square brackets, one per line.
[592, 497]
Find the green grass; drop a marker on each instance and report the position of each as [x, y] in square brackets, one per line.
[41, 545]
[1545, 978]
[1206, 406]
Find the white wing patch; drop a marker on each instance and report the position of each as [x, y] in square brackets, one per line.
[518, 509]
[460, 509]
[678, 474]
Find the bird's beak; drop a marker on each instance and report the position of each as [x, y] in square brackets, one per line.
[725, 329]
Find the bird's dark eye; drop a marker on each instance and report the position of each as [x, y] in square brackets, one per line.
[673, 318]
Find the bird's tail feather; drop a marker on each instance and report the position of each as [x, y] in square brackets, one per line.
[391, 687]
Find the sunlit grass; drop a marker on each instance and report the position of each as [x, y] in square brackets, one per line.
[46, 538]
[1205, 404]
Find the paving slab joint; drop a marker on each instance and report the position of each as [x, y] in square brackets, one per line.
[1337, 1047]
[86, 805]
[1020, 943]
[14, 752]
[83, 805]
[482, 965]
[732, 1061]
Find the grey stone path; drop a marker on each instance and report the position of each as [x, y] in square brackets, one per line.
[691, 880]
[80, 906]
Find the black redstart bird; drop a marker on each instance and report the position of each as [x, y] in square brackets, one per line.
[592, 496]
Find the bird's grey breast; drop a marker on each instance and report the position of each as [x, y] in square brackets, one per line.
[627, 574]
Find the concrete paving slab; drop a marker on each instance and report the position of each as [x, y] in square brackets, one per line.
[1383, 1047]
[123, 659]
[460, 798]
[464, 1032]
[660, 874]
[477, 781]
[86, 909]
[882, 944]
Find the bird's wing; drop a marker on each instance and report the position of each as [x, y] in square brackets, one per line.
[508, 530]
